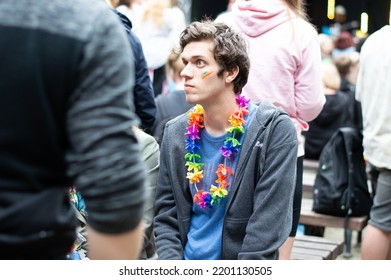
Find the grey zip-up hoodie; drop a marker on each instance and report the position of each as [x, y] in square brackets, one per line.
[258, 216]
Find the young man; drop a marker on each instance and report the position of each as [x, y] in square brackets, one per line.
[227, 168]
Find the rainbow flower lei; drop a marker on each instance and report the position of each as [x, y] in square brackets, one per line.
[206, 199]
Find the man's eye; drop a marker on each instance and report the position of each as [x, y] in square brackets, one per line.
[200, 63]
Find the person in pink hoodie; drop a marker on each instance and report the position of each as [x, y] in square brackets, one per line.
[285, 69]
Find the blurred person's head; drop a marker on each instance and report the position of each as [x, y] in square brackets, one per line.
[173, 68]
[344, 40]
[229, 48]
[154, 11]
[331, 79]
[343, 64]
[326, 45]
[340, 14]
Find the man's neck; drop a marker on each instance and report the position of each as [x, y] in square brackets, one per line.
[216, 115]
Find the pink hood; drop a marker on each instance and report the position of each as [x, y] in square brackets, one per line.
[257, 17]
[285, 59]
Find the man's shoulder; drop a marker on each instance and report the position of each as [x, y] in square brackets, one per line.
[172, 104]
[178, 121]
[173, 130]
[270, 115]
[72, 18]
[266, 111]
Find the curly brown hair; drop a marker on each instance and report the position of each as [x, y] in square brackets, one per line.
[230, 49]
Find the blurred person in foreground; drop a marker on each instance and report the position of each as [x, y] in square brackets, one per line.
[373, 90]
[66, 120]
[143, 96]
[227, 167]
[150, 154]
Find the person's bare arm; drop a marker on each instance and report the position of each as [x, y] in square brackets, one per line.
[115, 246]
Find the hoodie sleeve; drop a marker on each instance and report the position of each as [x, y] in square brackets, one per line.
[166, 222]
[271, 220]
[309, 96]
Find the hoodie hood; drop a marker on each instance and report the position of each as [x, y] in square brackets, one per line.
[259, 16]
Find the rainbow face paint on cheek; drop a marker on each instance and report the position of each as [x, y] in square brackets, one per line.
[206, 74]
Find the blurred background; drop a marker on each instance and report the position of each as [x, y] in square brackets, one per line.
[366, 16]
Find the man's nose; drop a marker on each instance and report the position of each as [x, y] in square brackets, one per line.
[186, 72]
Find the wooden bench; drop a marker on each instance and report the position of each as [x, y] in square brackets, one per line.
[310, 168]
[315, 248]
[309, 217]
[310, 164]
[308, 183]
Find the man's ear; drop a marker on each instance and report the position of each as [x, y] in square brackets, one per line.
[230, 75]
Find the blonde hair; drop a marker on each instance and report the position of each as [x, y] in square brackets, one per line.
[154, 11]
[326, 44]
[127, 3]
[110, 3]
[174, 65]
[298, 7]
[174, 3]
[330, 76]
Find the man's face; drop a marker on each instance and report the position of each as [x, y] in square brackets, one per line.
[202, 85]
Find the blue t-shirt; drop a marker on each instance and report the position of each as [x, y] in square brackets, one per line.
[205, 233]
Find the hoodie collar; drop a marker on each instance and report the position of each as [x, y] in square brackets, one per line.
[259, 16]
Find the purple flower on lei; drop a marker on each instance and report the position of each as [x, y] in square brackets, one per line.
[242, 100]
[206, 202]
[193, 132]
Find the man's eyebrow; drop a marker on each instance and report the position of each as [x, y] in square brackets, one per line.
[193, 57]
